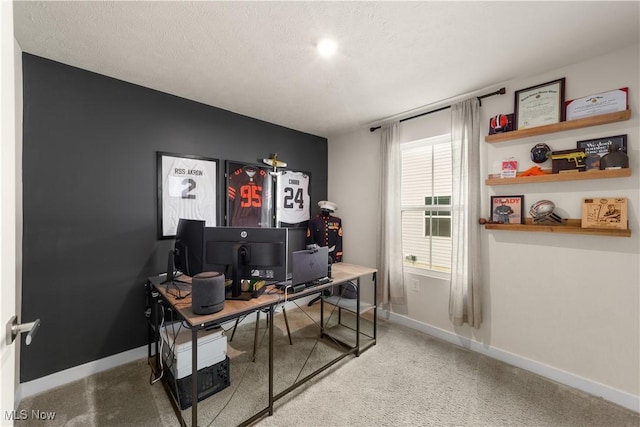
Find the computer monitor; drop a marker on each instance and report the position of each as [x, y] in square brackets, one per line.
[189, 247]
[250, 253]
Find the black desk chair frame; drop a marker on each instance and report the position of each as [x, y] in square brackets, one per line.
[255, 337]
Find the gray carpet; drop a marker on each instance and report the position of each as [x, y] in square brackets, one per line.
[408, 378]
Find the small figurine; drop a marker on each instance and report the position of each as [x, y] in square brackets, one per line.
[274, 163]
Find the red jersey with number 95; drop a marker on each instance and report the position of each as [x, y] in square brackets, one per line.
[245, 193]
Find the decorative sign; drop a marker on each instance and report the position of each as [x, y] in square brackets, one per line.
[509, 168]
[186, 189]
[596, 148]
[540, 105]
[600, 103]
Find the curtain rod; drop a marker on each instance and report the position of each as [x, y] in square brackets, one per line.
[500, 91]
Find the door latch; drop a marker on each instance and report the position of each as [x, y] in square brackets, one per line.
[14, 329]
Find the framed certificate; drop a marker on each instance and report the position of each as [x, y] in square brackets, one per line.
[186, 189]
[540, 105]
[600, 103]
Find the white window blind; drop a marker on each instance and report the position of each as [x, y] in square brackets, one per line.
[426, 203]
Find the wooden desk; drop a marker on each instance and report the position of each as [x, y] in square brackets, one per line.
[233, 309]
[343, 272]
[340, 273]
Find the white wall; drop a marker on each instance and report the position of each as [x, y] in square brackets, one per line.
[568, 304]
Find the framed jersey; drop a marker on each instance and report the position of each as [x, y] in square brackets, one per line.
[292, 198]
[186, 189]
[249, 195]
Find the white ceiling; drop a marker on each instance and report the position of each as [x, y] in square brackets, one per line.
[258, 58]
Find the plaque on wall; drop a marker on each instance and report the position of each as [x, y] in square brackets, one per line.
[596, 148]
[605, 213]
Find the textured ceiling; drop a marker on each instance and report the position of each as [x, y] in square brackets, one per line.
[258, 58]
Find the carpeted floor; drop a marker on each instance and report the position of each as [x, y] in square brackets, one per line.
[407, 379]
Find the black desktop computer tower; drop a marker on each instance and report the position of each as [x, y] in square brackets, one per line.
[211, 380]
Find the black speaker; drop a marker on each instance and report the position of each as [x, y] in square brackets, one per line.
[207, 292]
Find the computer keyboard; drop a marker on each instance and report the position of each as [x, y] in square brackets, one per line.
[283, 285]
[321, 281]
[317, 282]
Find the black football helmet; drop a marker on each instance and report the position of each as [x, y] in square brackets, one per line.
[540, 153]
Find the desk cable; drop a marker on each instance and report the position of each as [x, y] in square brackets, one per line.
[172, 347]
[179, 295]
[153, 380]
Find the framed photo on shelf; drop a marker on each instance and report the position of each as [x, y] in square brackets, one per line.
[605, 213]
[249, 195]
[507, 209]
[598, 147]
[540, 105]
[187, 188]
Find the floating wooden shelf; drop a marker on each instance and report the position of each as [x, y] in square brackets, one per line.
[554, 177]
[602, 119]
[570, 226]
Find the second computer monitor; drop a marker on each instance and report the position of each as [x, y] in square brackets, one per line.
[251, 252]
[189, 246]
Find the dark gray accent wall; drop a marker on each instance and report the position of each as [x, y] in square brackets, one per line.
[90, 192]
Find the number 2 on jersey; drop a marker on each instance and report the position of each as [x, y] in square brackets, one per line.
[190, 186]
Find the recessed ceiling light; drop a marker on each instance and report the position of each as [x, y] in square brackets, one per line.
[327, 47]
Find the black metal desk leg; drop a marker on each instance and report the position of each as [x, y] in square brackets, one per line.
[194, 377]
[358, 293]
[375, 304]
[321, 316]
[271, 314]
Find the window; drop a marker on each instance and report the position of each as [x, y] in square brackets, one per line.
[426, 203]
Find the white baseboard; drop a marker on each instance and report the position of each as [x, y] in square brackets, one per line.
[58, 379]
[618, 397]
[79, 372]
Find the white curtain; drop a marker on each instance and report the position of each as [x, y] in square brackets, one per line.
[464, 298]
[390, 276]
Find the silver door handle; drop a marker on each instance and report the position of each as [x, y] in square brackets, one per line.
[14, 329]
